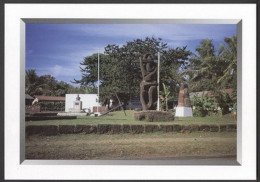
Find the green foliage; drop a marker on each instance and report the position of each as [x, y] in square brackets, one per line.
[225, 101]
[211, 69]
[48, 85]
[204, 106]
[119, 72]
[52, 106]
[228, 56]
[165, 95]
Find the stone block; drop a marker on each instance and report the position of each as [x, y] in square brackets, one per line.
[49, 130]
[204, 128]
[33, 130]
[151, 128]
[90, 129]
[103, 128]
[176, 128]
[80, 128]
[66, 129]
[194, 127]
[166, 128]
[186, 129]
[232, 127]
[126, 128]
[115, 129]
[214, 128]
[137, 129]
[222, 128]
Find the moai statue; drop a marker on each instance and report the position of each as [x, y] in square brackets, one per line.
[148, 85]
[184, 107]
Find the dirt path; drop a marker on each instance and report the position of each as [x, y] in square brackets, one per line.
[137, 140]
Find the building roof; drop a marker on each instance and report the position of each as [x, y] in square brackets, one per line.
[49, 98]
[28, 97]
[209, 93]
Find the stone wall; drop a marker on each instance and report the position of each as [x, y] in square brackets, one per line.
[116, 129]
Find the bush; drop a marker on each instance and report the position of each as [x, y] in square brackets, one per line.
[204, 106]
[52, 106]
[225, 101]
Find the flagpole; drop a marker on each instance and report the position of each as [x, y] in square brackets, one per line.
[98, 81]
[158, 81]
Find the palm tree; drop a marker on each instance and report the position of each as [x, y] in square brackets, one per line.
[203, 71]
[228, 54]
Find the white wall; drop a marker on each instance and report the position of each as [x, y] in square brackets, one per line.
[88, 101]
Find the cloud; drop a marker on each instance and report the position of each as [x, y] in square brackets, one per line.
[58, 49]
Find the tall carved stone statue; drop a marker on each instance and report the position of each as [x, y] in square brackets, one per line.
[184, 107]
[148, 85]
[184, 98]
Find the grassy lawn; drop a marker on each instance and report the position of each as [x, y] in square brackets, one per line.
[118, 117]
[131, 146]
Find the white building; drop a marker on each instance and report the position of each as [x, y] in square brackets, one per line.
[88, 101]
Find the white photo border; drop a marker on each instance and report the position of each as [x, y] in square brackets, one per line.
[14, 165]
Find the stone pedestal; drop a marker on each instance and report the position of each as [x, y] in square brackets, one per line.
[182, 111]
[184, 107]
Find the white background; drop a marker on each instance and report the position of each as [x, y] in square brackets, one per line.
[13, 14]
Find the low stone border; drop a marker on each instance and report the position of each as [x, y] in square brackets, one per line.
[49, 130]
[40, 118]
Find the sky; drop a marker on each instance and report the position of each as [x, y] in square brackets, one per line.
[58, 49]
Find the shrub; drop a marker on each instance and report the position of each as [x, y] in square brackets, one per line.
[225, 101]
[204, 106]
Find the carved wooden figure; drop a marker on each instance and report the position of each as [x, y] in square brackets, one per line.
[148, 91]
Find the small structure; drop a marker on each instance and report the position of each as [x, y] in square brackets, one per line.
[184, 107]
[88, 101]
[43, 98]
[49, 103]
[77, 106]
[28, 99]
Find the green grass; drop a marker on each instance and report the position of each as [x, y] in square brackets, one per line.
[118, 117]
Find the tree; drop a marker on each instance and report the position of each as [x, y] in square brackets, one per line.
[120, 72]
[203, 69]
[48, 85]
[172, 61]
[33, 86]
[228, 56]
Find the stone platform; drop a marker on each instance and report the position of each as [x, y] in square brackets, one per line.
[154, 116]
[72, 114]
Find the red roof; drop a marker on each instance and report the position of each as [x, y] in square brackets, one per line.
[49, 98]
